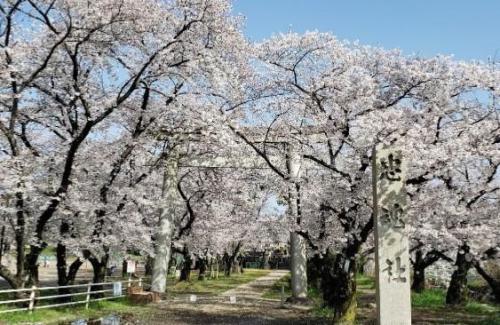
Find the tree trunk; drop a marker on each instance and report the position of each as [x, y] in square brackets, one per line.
[227, 264]
[457, 291]
[22, 265]
[315, 271]
[31, 263]
[10, 278]
[203, 269]
[65, 276]
[493, 283]
[231, 263]
[124, 268]
[338, 285]
[186, 267]
[212, 268]
[421, 263]
[236, 266]
[99, 272]
[418, 284]
[148, 268]
[2, 242]
[217, 266]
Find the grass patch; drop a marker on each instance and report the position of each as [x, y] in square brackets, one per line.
[313, 293]
[319, 309]
[474, 307]
[430, 298]
[49, 251]
[121, 306]
[66, 314]
[214, 286]
[365, 282]
[436, 299]
[275, 291]
[495, 320]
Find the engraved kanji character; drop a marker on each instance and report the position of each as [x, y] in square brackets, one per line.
[390, 168]
[393, 215]
[399, 270]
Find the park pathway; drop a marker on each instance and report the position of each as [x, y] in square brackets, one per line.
[249, 309]
[256, 288]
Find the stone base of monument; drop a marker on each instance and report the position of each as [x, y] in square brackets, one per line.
[133, 290]
[138, 296]
[300, 301]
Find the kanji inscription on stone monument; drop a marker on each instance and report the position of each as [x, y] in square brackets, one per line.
[391, 240]
[393, 215]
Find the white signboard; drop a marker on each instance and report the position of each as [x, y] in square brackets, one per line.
[130, 266]
[117, 289]
[192, 298]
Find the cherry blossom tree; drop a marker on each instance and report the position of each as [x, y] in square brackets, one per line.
[337, 101]
[66, 80]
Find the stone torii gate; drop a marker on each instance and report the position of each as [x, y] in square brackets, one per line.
[254, 136]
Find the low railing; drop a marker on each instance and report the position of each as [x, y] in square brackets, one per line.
[36, 295]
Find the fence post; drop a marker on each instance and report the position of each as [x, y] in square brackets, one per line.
[32, 299]
[140, 282]
[87, 299]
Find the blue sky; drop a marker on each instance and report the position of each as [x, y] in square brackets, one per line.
[468, 29]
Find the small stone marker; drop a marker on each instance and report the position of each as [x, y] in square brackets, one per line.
[232, 299]
[392, 263]
[192, 298]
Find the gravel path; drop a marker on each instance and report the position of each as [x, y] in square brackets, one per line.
[256, 288]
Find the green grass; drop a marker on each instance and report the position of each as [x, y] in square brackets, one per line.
[275, 291]
[56, 315]
[49, 251]
[436, 299]
[214, 286]
[365, 282]
[314, 294]
[495, 320]
[122, 306]
[430, 298]
[474, 307]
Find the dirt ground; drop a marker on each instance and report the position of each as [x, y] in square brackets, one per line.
[251, 308]
[212, 312]
[271, 312]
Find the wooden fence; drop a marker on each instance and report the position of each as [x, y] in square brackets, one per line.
[116, 289]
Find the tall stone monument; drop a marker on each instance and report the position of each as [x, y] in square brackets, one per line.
[392, 264]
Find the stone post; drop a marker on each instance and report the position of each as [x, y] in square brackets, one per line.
[163, 238]
[392, 264]
[298, 246]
